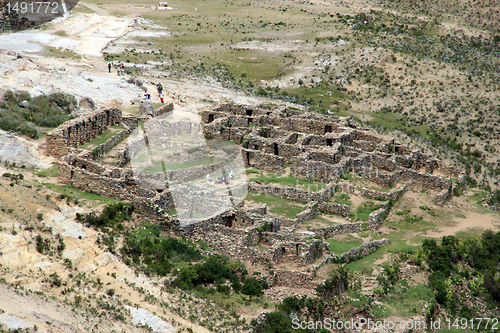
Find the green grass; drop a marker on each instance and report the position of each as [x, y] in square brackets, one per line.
[390, 120]
[105, 136]
[404, 301]
[255, 65]
[342, 198]
[363, 210]
[339, 247]
[290, 181]
[132, 109]
[398, 244]
[276, 205]
[321, 98]
[60, 53]
[73, 191]
[49, 172]
[320, 219]
[228, 143]
[159, 166]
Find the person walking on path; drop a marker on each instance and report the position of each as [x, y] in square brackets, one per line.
[109, 67]
[161, 98]
[119, 70]
[123, 69]
[160, 89]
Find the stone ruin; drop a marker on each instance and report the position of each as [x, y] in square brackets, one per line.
[279, 140]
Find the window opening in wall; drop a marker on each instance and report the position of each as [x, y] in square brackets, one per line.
[329, 142]
[210, 118]
[249, 112]
[297, 248]
[328, 129]
[275, 148]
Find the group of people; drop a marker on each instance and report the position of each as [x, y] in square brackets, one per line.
[120, 69]
[160, 91]
[222, 180]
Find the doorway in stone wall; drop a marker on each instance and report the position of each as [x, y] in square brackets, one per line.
[329, 142]
[275, 148]
[210, 118]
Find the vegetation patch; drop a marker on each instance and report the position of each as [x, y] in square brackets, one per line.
[289, 180]
[22, 114]
[277, 205]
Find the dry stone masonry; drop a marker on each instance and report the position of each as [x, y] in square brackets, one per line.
[279, 140]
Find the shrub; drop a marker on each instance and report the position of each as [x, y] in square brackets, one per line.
[252, 287]
[45, 110]
[335, 285]
[110, 216]
[56, 280]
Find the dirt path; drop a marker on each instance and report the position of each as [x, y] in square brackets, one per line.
[473, 221]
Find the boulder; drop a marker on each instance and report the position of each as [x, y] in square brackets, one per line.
[139, 82]
[86, 103]
[144, 89]
[131, 80]
[24, 104]
[146, 108]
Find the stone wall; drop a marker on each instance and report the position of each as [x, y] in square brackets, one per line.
[164, 109]
[103, 148]
[93, 177]
[338, 229]
[268, 162]
[302, 168]
[335, 208]
[293, 279]
[310, 211]
[355, 253]
[294, 193]
[80, 130]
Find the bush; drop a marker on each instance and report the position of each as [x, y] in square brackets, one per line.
[45, 110]
[214, 270]
[110, 216]
[335, 285]
[56, 280]
[252, 287]
[158, 253]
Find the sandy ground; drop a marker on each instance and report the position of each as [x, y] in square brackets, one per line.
[23, 309]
